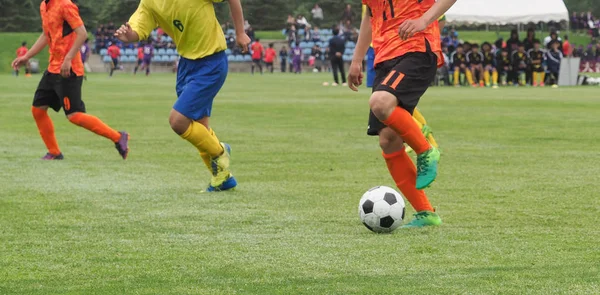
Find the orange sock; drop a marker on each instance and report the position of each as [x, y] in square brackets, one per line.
[95, 125]
[402, 122]
[46, 128]
[404, 173]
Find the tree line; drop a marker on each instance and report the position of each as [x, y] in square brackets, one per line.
[23, 15]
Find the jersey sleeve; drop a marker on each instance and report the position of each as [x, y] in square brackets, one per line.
[142, 21]
[70, 13]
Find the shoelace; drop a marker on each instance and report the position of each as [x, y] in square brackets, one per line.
[422, 164]
[421, 215]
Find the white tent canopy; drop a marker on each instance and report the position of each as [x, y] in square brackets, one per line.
[502, 12]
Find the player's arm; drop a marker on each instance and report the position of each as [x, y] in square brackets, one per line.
[355, 75]
[408, 28]
[70, 13]
[140, 25]
[237, 15]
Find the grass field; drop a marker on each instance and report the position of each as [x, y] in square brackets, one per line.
[518, 192]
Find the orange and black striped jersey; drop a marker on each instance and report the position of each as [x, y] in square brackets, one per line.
[386, 18]
[59, 20]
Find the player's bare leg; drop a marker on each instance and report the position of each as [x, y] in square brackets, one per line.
[216, 155]
[385, 107]
[404, 173]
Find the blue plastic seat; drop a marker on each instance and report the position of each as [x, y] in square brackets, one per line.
[129, 51]
[228, 51]
[171, 51]
[347, 57]
[106, 59]
[172, 58]
[247, 58]
[306, 51]
[161, 51]
[230, 31]
[310, 44]
[230, 58]
[350, 44]
[349, 51]
[103, 51]
[303, 45]
[239, 58]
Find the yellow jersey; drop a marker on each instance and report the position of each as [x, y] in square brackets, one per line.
[192, 24]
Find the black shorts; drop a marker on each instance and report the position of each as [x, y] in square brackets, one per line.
[407, 77]
[539, 69]
[58, 92]
[269, 64]
[256, 60]
[115, 62]
[140, 61]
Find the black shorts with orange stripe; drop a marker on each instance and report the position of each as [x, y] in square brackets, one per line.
[407, 77]
[56, 92]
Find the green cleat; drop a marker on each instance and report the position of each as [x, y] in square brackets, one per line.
[424, 218]
[427, 164]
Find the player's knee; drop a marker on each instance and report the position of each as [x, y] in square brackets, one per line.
[178, 124]
[382, 103]
[390, 141]
[38, 111]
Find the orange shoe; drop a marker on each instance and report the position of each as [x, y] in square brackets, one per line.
[542, 84]
[481, 84]
[474, 85]
[534, 84]
[28, 75]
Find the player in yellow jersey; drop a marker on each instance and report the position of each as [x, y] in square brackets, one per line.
[202, 70]
[417, 116]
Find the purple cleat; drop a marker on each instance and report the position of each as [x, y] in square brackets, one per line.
[50, 157]
[122, 145]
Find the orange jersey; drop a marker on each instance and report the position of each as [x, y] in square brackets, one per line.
[270, 55]
[257, 50]
[22, 51]
[386, 18]
[59, 20]
[114, 51]
[140, 52]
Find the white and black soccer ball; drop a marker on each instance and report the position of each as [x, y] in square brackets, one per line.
[381, 209]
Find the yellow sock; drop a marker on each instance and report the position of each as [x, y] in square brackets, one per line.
[486, 77]
[456, 77]
[206, 158]
[543, 77]
[535, 77]
[203, 140]
[495, 77]
[419, 117]
[469, 77]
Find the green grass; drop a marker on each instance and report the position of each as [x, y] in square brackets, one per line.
[270, 35]
[517, 191]
[492, 36]
[8, 49]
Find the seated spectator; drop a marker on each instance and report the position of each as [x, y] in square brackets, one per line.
[350, 32]
[290, 22]
[246, 25]
[250, 33]
[301, 22]
[347, 14]
[513, 42]
[553, 58]
[230, 39]
[530, 39]
[553, 38]
[292, 35]
[317, 55]
[316, 34]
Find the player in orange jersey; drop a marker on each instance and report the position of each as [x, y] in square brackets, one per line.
[406, 40]
[60, 87]
[21, 51]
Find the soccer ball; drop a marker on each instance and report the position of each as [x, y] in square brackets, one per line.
[381, 209]
[325, 83]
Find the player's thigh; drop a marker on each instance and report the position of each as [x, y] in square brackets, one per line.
[409, 79]
[45, 94]
[198, 84]
[69, 92]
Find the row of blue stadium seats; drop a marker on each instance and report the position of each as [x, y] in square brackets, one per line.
[133, 58]
[323, 44]
[302, 31]
[129, 51]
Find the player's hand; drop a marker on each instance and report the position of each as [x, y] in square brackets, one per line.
[19, 61]
[65, 69]
[126, 34]
[355, 76]
[408, 28]
[243, 41]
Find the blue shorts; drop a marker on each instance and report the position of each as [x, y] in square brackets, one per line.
[370, 67]
[198, 82]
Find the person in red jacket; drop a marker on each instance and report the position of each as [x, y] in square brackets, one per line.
[20, 53]
[270, 56]
[257, 54]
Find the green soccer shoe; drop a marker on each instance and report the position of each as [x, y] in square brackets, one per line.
[424, 218]
[427, 164]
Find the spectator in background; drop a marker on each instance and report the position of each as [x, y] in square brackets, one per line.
[520, 61]
[574, 22]
[257, 54]
[246, 25]
[337, 46]
[317, 15]
[347, 14]
[270, 56]
[316, 34]
[513, 42]
[553, 38]
[230, 39]
[301, 22]
[292, 36]
[110, 29]
[567, 48]
[350, 32]
[290, 21]
[250, 33]
[297, 58]
[530, 39]
[317, 54]
[283, 58]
